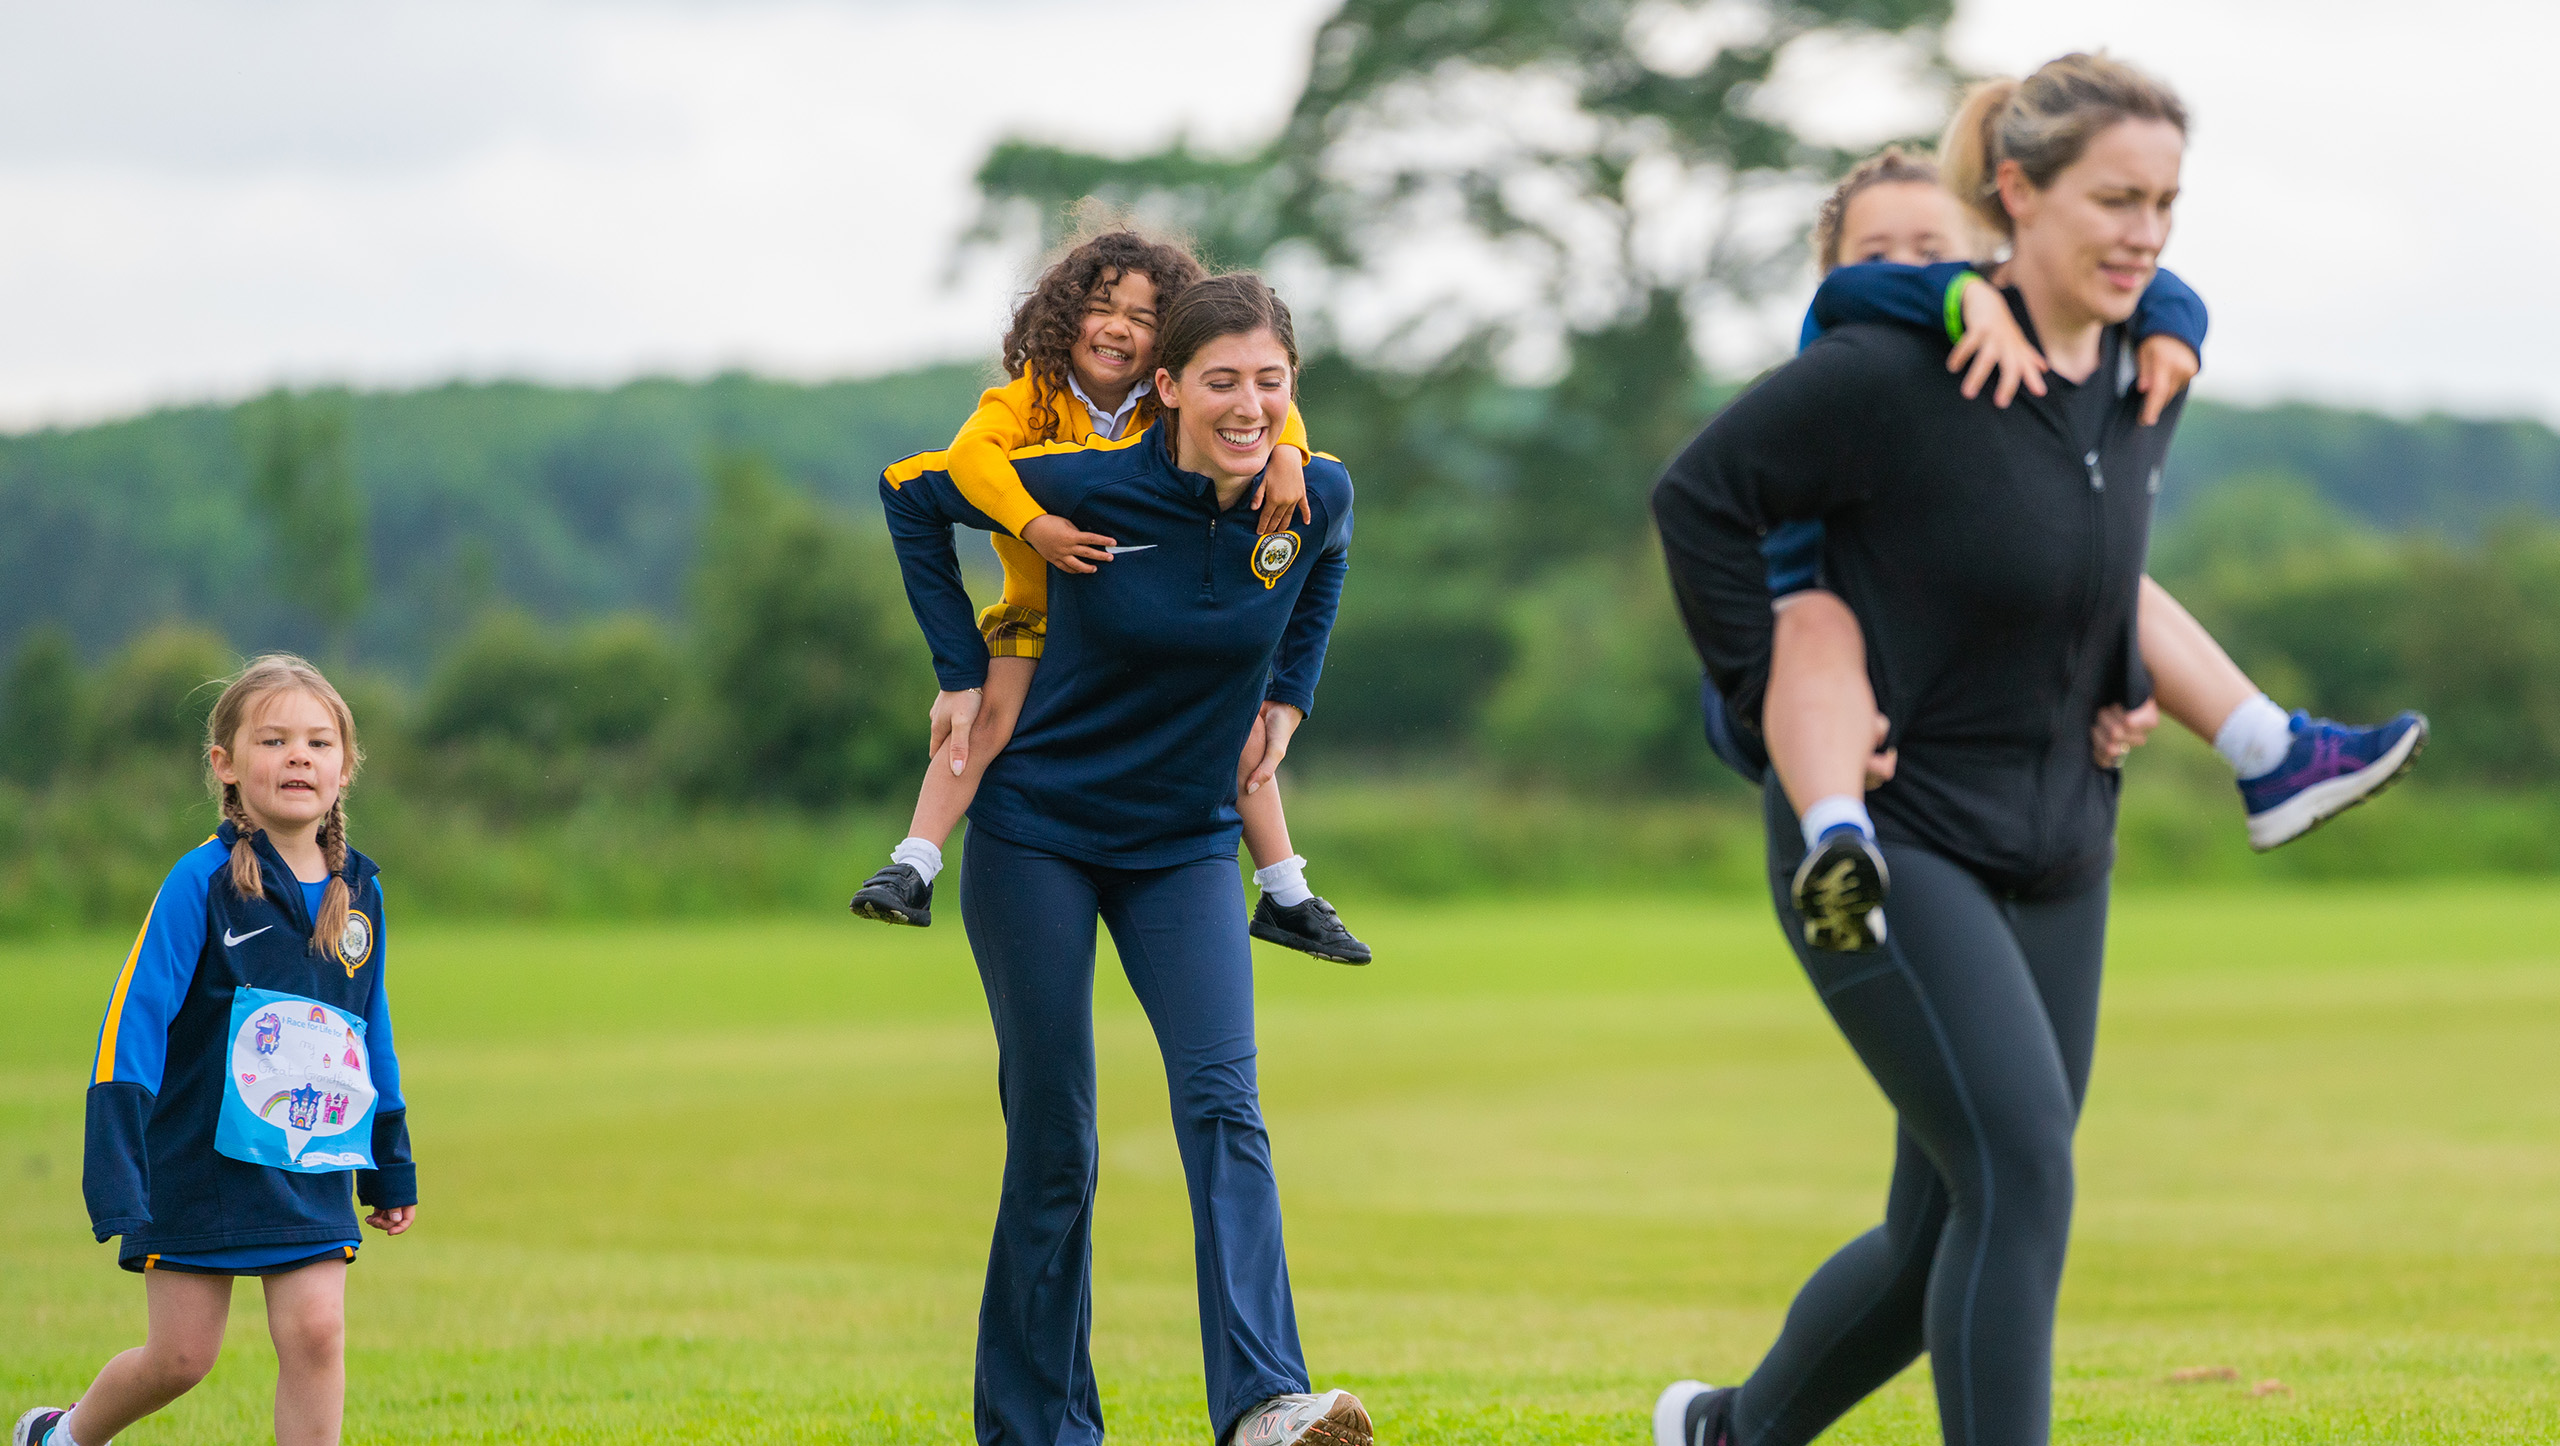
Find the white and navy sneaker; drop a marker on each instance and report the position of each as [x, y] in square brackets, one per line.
[1335, 1418]
[37, 1424]
[1692, 1413]
[896, 895]
[1839, 892]
[2331, 768]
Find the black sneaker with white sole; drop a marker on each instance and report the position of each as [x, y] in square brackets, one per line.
[1693, 1413]
[1310, 927]
[37, 1424]
[1839, 891]
[896, 895]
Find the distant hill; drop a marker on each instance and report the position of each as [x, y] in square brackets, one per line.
[573, 502]
[2437, 473]
[567, 502]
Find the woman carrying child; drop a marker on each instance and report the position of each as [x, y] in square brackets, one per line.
[1882, 242]
[244, 1073]
[1081, 355]
[1115, 801]
[1994, 557]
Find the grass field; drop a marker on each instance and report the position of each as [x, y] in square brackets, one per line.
[733, 1183]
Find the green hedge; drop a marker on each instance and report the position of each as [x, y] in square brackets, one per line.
[88, 851]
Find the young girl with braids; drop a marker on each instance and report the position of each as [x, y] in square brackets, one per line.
[244, 1070]
[1081, 352]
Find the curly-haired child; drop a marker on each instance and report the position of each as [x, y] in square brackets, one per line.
[1080, 354]
[245, 1072]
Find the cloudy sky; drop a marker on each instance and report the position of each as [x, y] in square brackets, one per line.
[199, 198]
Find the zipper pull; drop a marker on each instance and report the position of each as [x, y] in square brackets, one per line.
[2097, 478]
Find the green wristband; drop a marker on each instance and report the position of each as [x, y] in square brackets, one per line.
[1955, 303]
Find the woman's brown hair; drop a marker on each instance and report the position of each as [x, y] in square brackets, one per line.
[1047, 323]
[263, 678]
[1233, 304]
[2044, 123]
[1890, 167]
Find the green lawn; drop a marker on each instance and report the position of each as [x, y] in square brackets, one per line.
[733, 1182]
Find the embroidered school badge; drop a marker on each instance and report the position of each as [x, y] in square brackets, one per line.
[1272, 556]
[356, 944]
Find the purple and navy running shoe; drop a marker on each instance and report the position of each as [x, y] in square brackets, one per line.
[2331, 769]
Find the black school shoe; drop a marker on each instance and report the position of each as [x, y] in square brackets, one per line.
[1310, 927]
[896, 895]
[1839, 892]
[34, 1426]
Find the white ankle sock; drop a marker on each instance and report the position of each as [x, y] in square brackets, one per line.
[1285, 882]
[1829, 813]
[2255, 738]
[60, 1435]
[920, 855]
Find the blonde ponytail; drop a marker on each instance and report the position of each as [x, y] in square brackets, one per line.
[1968, 155]
[2044, 123]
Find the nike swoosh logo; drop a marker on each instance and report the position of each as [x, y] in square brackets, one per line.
[1141, 547]
[234, 941]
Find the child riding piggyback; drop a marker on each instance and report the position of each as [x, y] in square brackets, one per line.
[1081, 355]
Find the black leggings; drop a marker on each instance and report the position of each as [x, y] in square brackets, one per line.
[1977, 1019]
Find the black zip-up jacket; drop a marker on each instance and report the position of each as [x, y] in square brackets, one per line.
[1993, 558]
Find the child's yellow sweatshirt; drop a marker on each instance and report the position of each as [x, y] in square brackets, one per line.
[981, 466]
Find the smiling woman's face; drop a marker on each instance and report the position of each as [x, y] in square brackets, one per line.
[1233, 398]
[1116, 342]
[288, 761]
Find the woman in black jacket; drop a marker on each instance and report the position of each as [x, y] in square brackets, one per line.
[1993, 558]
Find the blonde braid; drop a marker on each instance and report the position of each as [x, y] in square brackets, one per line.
[329, 928]
[246, 880]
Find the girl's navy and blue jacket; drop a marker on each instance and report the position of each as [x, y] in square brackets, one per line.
[162, 1068]
[1156, 662]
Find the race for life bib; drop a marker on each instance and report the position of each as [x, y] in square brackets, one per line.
[301, 1095]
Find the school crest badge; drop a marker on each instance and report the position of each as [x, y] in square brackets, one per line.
[355, 945]
[1272, 556]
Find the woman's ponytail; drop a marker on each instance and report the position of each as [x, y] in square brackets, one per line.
[1969, 155]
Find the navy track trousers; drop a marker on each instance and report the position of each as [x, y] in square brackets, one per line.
[1181, 936]
[1978, 1018]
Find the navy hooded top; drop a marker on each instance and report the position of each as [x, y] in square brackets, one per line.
[1156, 663]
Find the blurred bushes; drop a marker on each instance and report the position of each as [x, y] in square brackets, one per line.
[815, 682]
[615, 766]
[44, 710]
[1481, 728]
[1602, 692]
[2335, 618]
